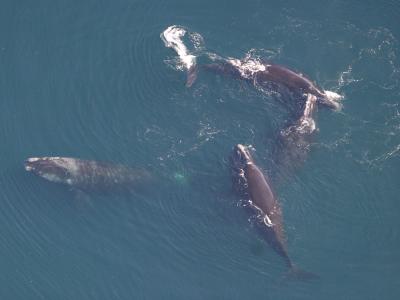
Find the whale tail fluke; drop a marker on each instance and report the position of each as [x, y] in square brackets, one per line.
[191, 75]
[332, 100]
[296, 273]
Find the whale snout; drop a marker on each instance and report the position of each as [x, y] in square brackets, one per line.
[31, 163]
[240, 156]
[41, 165]
[49, 168]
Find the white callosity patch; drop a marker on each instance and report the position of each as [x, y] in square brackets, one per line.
[172, 37]
[33, 159]
[70, 164]
[28, 166]
[55, 169]
[245, 152]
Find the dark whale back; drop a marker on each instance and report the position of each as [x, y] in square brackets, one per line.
[104, 176]
[223, 68]
[262, 200]
[267, 208]
[289, 78]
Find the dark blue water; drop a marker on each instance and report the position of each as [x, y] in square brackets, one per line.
[93, 79]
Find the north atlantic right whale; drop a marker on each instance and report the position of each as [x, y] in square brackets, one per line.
[255, 71]
[87, 175]
[261, 74]
[250, 181]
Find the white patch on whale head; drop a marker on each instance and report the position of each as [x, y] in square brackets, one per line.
[245, 153]
[69, 164]
[55, 169]
[33, 159]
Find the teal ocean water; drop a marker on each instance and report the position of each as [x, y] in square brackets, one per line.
[94, 80]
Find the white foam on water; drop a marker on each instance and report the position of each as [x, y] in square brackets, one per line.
[172, 38]
[346, 77]
[247, 67]
[197, 41]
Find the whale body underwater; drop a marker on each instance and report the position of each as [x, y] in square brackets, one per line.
[87, 175]
[250, 181]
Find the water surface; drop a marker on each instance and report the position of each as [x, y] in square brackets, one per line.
[93, 79]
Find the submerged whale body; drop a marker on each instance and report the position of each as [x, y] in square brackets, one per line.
[86, 175]
[252, 183]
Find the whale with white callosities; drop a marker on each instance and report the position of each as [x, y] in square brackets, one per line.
[87, 175]
[249, 69]
[250, 181]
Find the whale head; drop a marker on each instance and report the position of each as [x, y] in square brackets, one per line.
[241, 156]
[54, 169]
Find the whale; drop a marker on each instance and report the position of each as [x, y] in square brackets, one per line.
[263, 74]
[250, 181]
[256, 71]
[86, 175]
